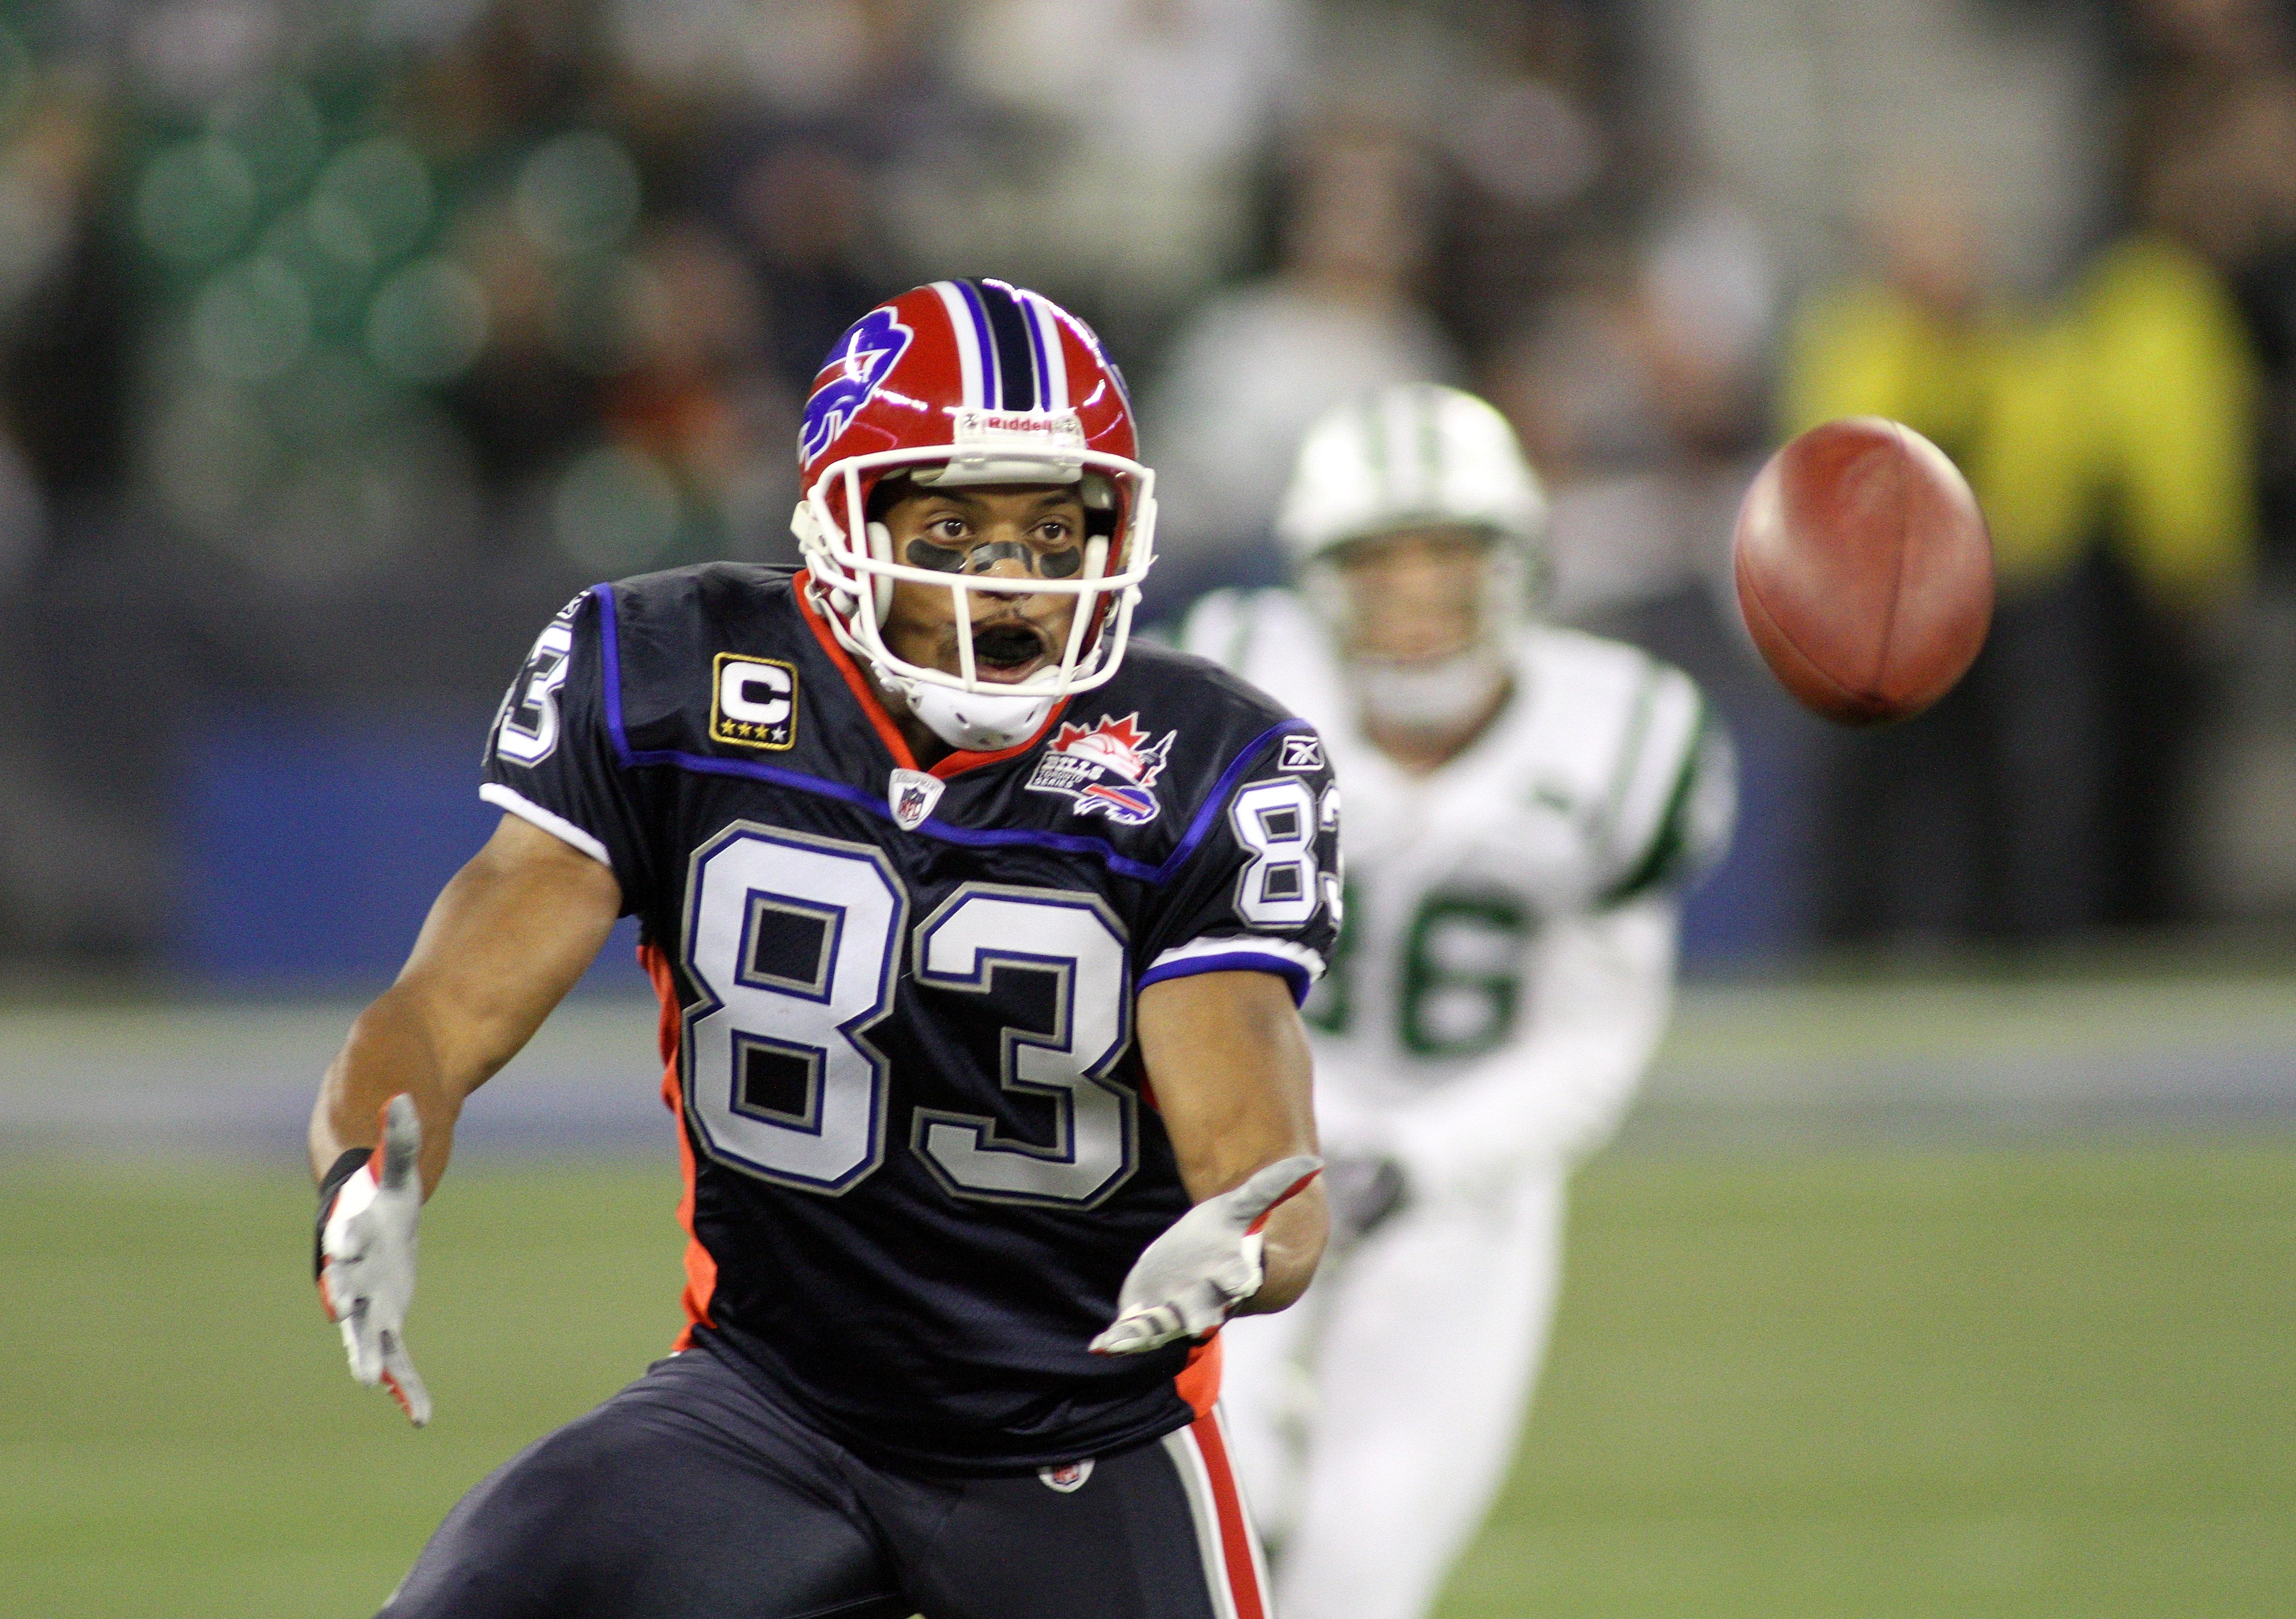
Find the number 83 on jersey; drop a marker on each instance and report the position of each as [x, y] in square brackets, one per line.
[793, 943]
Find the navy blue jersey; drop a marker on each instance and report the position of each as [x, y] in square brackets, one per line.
[899, 1004]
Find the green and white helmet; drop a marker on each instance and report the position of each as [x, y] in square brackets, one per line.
[1417, 456]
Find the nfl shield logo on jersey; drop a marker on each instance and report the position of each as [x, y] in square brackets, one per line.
[1108, 768]
[911, 794]
[1068, 1478]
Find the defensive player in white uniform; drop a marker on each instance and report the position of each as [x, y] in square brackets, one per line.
[1523, 806]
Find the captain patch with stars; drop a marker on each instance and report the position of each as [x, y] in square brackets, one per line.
[754, 702]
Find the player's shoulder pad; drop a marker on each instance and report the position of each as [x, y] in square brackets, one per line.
[1216, 724]
[1190, 685]
[670, 629]
[1669, 777]
[1198, 692]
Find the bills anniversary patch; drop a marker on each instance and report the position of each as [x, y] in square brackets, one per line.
[1108, 768]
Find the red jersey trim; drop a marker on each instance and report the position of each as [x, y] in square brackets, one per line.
[1199, 1382]
[701, 1265]
[888, 733]
[864, 691]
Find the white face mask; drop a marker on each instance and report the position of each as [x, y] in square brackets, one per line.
[1439, 694]
[980, 722]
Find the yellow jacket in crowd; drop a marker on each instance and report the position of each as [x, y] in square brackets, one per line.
[2127, 407]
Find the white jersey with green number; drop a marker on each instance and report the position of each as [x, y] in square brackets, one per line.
[1506, 965]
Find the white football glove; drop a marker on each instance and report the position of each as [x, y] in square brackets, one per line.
[366, 1261]
[1187, 1281]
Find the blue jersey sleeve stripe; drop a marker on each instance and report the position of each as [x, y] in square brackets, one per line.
[1241, 960]
[1215, 805]
[703, 764]
[979, 837]
[610, 665]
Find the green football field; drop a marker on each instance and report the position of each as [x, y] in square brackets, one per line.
[1938, 1383]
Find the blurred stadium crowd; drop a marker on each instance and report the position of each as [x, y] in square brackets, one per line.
[340, 340]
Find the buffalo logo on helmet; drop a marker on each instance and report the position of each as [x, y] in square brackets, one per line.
[984, 384]
[864, 358]
[1108, 768]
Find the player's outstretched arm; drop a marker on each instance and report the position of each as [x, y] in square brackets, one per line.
[506, 939]
[1229, 1063]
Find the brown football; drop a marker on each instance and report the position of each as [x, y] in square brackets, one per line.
[1865, 571]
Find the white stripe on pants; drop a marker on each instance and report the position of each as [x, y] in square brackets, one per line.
[1234, 1573]
[1374, 1422]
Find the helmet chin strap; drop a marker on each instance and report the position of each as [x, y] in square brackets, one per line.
[1439, 696]
[978, 722]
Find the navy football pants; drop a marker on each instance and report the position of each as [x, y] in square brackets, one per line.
[690, 1493]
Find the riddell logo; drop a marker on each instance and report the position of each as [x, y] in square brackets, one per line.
[1060, 426]
[1108, 768]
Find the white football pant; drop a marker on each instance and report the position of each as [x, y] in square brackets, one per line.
[1372, 1422]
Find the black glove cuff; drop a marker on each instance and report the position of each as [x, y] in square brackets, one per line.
[352, 1159]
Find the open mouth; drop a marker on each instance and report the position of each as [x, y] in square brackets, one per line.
[1007, 651]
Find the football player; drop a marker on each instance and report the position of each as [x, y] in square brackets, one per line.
[979, 939]
[1524, 805]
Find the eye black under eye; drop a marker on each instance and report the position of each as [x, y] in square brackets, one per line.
[924, 553]
[1059, 565]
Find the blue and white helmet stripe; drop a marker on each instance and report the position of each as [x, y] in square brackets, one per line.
[1052, 359]
[1008, 346]
[962, 319]
[1017, 380]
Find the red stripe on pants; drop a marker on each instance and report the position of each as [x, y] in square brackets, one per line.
[1235, 1534]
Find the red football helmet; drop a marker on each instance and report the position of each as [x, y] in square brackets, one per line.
[973, 382]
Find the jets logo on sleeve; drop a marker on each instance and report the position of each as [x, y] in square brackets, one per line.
[1107, 769]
